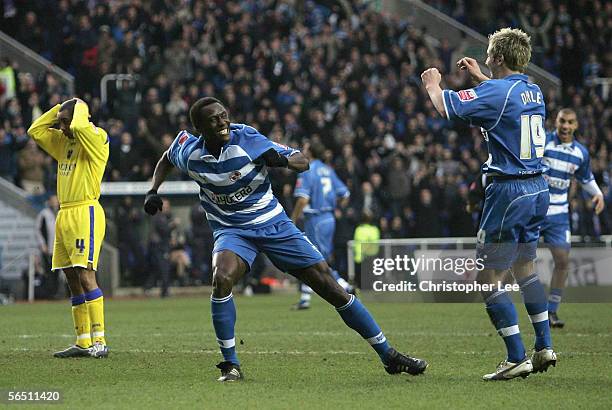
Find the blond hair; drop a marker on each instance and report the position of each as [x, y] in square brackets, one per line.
[514, 45]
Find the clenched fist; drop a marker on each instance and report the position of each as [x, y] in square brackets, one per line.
[430, 77]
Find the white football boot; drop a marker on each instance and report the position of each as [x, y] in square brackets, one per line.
[507, 370]
[543, 359]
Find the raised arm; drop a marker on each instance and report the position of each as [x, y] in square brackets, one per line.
[46, 137]
[93, 139]
[431, 80]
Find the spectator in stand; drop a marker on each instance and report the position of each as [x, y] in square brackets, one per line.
[201, 245]
[163, 227]
[45, 235]
[31, 169]
[128, 219]
[309, 75]
[9, 146]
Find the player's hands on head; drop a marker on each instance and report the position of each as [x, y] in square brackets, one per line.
[153, 202]
[273, 158]
[431, 76]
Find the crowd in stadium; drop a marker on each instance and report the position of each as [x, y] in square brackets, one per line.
[298, 74]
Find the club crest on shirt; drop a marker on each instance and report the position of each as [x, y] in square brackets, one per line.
[69, 154]
[467, 95]
[235, 176]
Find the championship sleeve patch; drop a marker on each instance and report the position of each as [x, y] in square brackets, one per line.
[183, 138]
[467, 95]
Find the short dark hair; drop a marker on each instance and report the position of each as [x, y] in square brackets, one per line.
[317, 150]
[195, 112]
[68, 106]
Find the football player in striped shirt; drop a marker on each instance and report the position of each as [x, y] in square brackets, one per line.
[230, 164]
[81, 151]
[565, 158]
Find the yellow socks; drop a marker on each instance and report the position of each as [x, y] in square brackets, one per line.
[82, 325]
[95, 307]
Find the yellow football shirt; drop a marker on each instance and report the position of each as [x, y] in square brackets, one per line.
[80, 160]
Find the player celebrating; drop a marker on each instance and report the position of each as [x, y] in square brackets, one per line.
[511, 113]
[81, 151]
[317, 190]
[565, 157]
[230, 164]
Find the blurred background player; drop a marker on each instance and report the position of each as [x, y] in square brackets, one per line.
[230, 164]
[511, 113]
[317, 190]
[81, 151]
[565, 158]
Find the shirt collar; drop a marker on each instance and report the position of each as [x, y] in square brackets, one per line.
[566, 144]
[521, 77]
[205, 152]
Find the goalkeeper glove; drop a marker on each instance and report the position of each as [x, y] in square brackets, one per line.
[153, 202]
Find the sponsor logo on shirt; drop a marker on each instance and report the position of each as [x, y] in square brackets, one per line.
[224, 199]
[467, 95]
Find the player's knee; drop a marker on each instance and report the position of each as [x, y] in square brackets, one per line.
[222, 281]
[562, 263]
[88, 279]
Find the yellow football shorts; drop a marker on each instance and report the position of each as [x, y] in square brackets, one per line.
[79, 232]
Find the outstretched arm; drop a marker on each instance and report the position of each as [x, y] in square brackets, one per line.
[162, 169]
[153, 202]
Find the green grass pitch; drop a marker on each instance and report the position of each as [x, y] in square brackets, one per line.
[164, 352]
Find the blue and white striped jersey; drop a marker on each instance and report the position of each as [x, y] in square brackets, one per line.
[564, 161]
[235, 189]
[321, 186]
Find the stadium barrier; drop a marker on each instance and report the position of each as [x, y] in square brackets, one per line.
[31, 62]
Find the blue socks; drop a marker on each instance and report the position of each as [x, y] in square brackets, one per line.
[357, 317]
[534, 297]
[77, 300]
[554, 298]
[224, 319]
[503, 314]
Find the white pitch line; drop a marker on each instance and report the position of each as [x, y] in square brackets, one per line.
[305, 333]
[296, 352]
